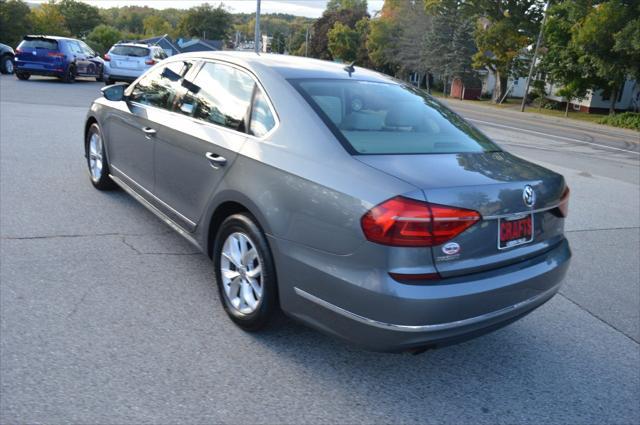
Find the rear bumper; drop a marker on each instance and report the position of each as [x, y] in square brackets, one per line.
[121, 74]
[384, 315]
[33, 68]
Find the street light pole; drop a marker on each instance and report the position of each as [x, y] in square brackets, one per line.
[535, 56]
[257, 28]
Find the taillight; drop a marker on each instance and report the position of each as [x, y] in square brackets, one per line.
[402, 221]
[563, 206]
[107, 57]
[150, 62]
[18, 50]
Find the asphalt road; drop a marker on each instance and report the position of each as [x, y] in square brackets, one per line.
[107, 316]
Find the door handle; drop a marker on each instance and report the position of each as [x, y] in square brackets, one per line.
[215, 160]
[148, 132]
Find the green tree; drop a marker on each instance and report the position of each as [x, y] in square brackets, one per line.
[319, 42]
[207, 22]
[504, 29]
[449, 44]
[80, 17]
[343, 42]
[15, 21]
[627, 43]
[47, 19]
[103, 37]
[381, 44]
[596, 37]
[278, 42]
[156, 25]
[359, 6]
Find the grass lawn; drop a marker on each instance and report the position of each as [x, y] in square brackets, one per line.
[514, 104]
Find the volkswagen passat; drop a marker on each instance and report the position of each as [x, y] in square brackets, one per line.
[349, 200]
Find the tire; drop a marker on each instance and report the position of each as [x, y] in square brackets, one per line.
[108, 82]
[230, 234]
[23, 75]
[100, 77]
[69, 75]
[97, 159]
[6, 64]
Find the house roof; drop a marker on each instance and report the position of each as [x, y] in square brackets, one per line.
[165, 38]
[199, 45]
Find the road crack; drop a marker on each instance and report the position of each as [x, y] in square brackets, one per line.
[598, 318]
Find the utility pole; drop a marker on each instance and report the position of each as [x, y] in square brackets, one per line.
[306, 42]
[257, 29]
[535, 56]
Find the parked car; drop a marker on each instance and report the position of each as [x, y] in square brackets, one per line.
[351, 201]
[6, 59]
[62, 57]
[127, 61]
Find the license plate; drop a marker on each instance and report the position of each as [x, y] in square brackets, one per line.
[125, 64]
[515, 231]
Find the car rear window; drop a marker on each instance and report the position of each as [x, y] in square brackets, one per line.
[387, 118]
[39, 43]
[133, 51]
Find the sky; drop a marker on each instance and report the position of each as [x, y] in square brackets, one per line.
[308, 8]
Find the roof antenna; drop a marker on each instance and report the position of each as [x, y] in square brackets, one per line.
[350, 69]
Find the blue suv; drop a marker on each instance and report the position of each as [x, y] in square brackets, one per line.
[65, 58]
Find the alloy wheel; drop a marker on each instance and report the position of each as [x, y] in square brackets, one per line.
[95, 157]
[241, 272]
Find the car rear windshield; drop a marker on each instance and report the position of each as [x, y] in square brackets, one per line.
[134, 51]
[387, 118]
[39, 43]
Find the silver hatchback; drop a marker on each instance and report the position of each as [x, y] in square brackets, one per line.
[128, 61]
[346, 199]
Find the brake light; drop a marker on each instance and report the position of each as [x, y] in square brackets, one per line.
[107, 57]
[18, 50]
[150, 62]
[55, 54]
[563, 207]
[402, 221]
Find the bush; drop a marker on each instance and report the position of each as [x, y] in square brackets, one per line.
[625, 120]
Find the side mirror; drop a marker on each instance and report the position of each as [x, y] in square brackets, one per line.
[114, 92]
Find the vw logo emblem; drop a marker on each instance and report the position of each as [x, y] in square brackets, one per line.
[528, 196]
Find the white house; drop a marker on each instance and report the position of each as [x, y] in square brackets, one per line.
[627, 99]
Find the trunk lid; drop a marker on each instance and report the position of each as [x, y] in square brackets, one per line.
[492, 184]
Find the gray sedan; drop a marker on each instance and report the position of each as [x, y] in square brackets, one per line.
[346, 199]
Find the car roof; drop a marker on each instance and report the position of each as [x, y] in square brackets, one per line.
[290, 67]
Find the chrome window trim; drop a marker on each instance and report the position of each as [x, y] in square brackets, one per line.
[425, 328]
[198, 62]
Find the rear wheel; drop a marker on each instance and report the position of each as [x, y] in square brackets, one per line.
[23, 75]
[97, 160]
[245, 272]
[6, 64]
[70, 75]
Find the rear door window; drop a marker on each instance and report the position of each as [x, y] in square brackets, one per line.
[158, 87]
[262, 119]
[219, 94]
